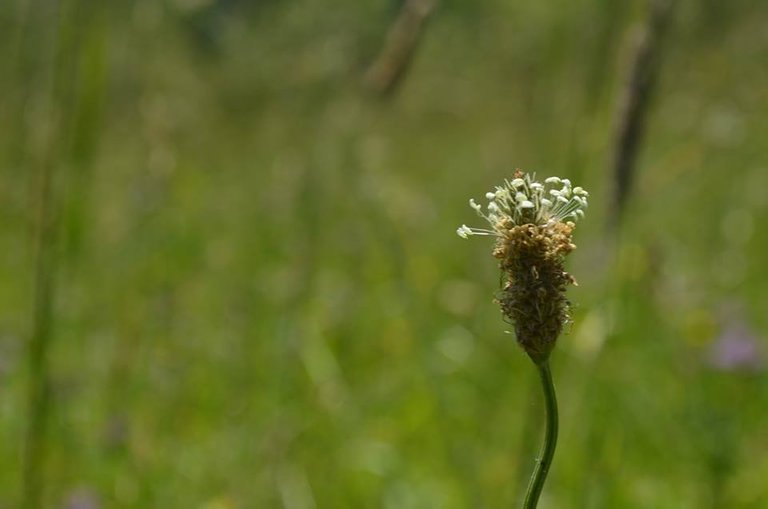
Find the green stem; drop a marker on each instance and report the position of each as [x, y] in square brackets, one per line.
[550, 439]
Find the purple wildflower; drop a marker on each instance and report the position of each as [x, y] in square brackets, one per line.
[736, 349]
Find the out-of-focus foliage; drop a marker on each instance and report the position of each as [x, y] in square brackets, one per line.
[260, 299]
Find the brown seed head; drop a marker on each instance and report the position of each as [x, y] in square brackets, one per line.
[533, 237]
[532, 298]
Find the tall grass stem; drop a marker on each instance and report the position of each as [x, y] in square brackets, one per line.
[550, 438]
[35, 446]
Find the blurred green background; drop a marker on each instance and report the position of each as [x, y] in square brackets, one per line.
[257, 296]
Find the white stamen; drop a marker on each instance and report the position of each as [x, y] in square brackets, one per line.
[508, 201]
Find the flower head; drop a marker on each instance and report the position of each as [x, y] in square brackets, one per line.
[526, 201]
[532, 223]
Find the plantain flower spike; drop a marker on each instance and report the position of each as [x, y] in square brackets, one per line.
[533, 223]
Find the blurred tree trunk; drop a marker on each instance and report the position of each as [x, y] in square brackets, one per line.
[633, 106]
[387, 71]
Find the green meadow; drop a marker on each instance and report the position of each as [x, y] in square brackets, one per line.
[230, 276]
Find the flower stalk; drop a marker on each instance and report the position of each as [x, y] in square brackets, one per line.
[547, 452]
